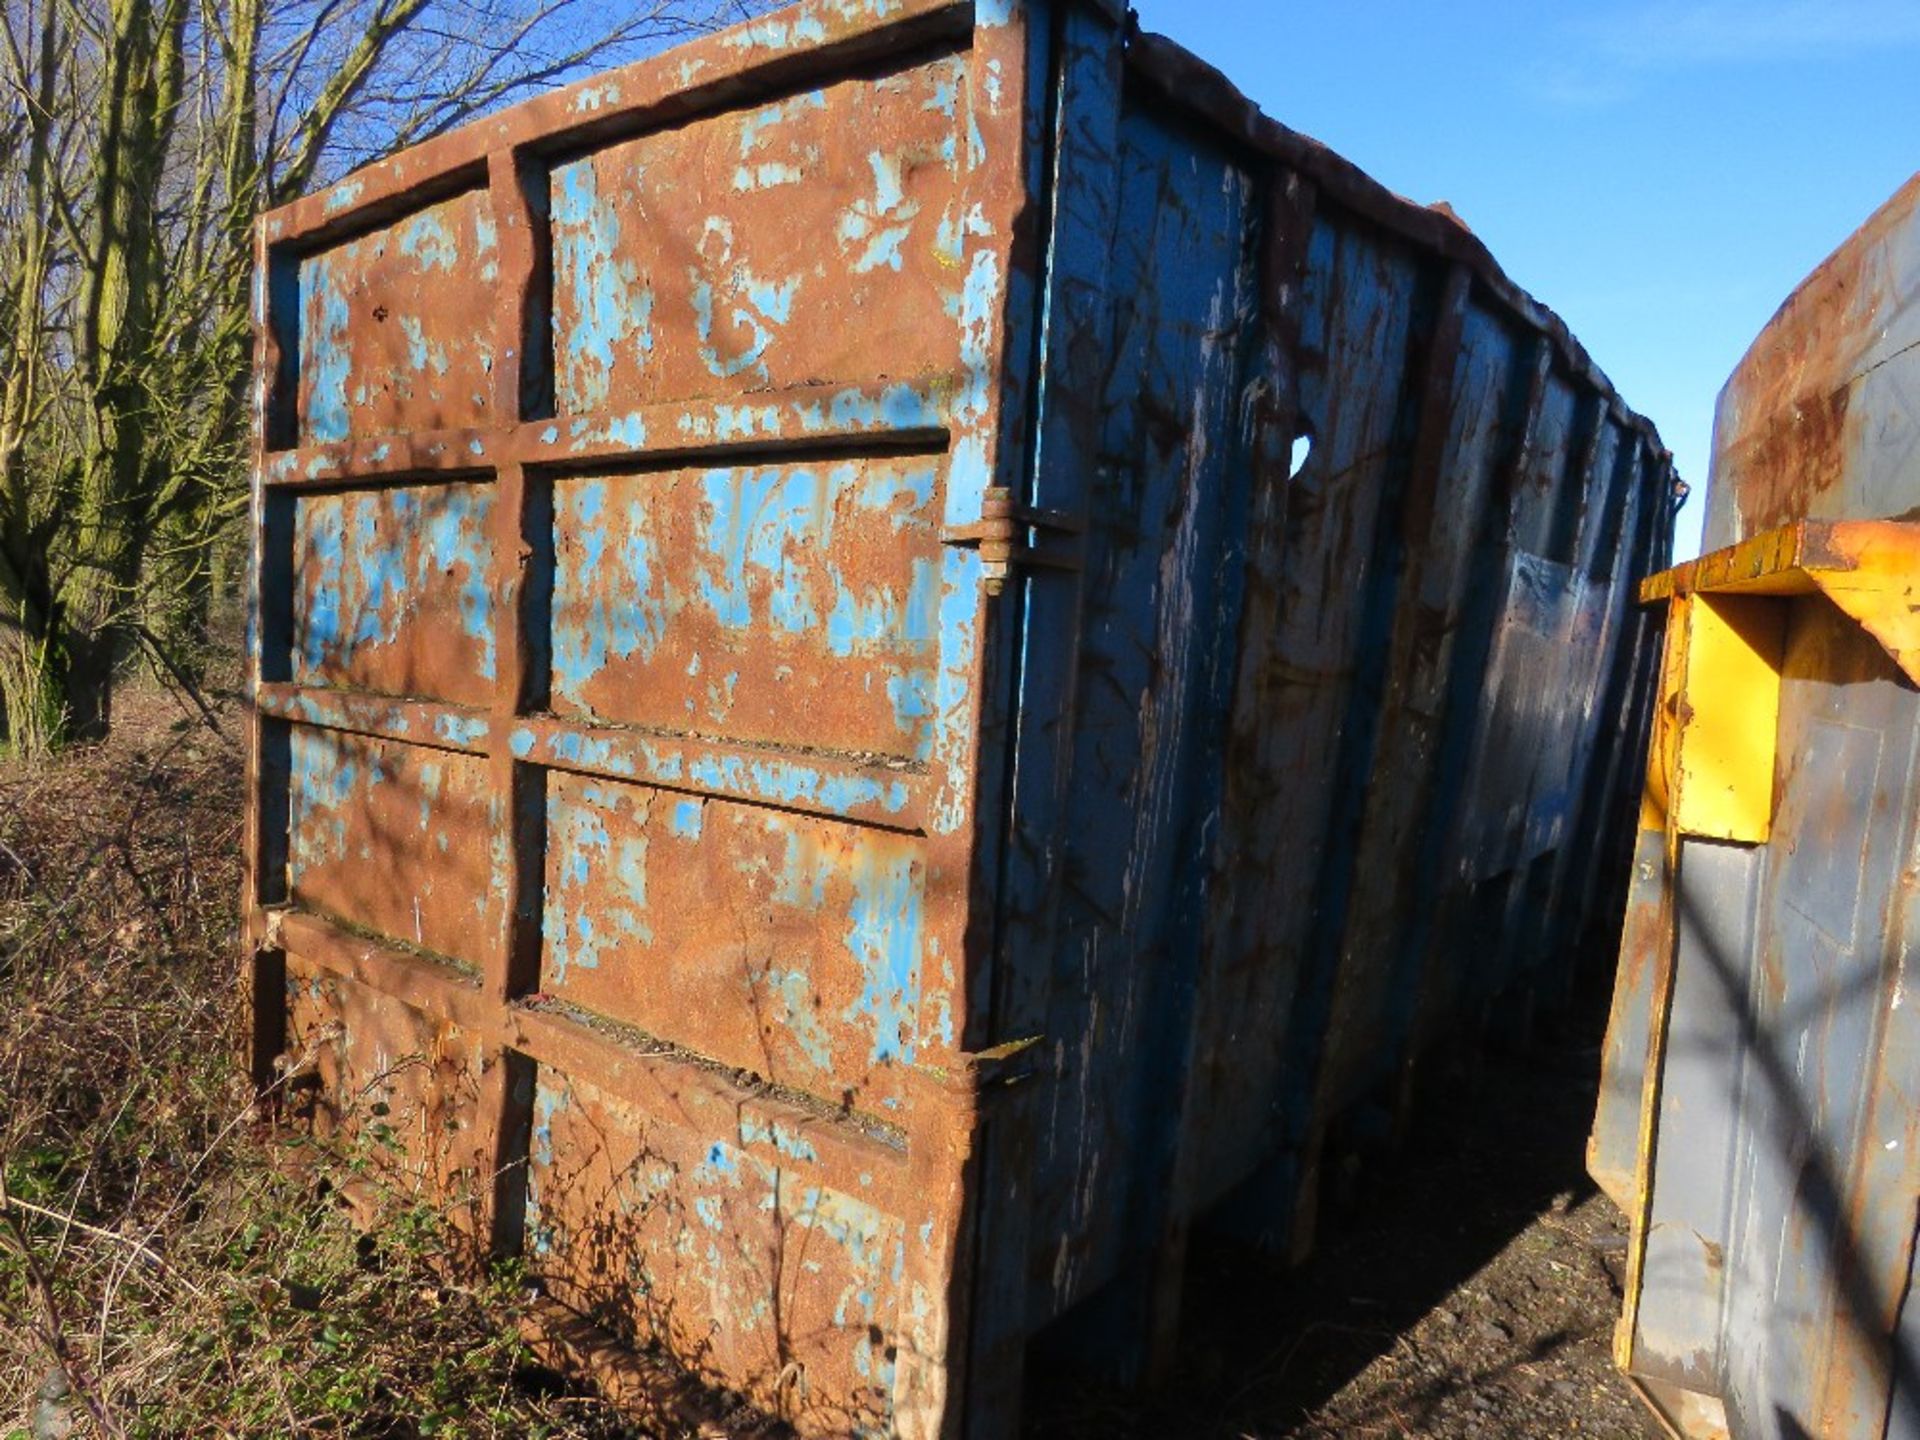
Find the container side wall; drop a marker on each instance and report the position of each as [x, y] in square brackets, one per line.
[1160, 554]
[1821, 418]
[1815, 1271]
[1433, 765]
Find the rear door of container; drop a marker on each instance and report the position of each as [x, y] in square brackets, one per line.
[619, 649]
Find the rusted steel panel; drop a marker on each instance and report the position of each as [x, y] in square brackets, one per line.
[789, 946]
[839, 244]
[406, 841]
[393, 594]
[796, 604]
[392, 326]
[1759, 1113]
[785, 1290]
[807, 724]
[399, 1083]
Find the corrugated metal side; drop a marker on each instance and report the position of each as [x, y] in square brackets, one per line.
[1761, 1109]
[1440, 679]
[1331, 727]
[1161, 575]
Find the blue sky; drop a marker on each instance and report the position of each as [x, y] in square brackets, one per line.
[1661, 172]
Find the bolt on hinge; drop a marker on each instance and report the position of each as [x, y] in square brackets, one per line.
[1008, 535]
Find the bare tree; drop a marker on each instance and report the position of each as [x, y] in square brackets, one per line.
[139, 139]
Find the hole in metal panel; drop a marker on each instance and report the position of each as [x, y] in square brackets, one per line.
[1301, 452]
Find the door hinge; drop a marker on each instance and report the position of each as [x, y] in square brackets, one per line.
[1009, 535]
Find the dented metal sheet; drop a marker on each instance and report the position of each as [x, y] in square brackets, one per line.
[1761, 1104]
[817, 756]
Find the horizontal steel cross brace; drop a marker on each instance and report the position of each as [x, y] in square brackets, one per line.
[683, 1089]
[890, 795]
[802, 417]
[1870, 569]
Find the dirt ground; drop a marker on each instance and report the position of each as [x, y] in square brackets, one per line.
[1467, 1291]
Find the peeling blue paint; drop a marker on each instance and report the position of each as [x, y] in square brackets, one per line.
[789, 1142]
[324, 781]
[799, 1021]
[885, 937]
[960, 599]
[776, 34]
[612, 323]
[327, 359]
[365, 560]
[344, 196]
[758, 518]
[875, 230]
[688, 819]
[426, 239]
[597, 893]
[593, 97]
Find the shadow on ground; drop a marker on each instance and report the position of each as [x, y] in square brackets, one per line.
[1465, 1288]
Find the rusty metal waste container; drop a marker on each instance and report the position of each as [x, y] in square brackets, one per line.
[897, 652]
[1760, 1113]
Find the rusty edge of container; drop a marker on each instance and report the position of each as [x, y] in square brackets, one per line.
[1781, 446]
[1184, 80]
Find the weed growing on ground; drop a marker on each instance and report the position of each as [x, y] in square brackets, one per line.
[164, 1271]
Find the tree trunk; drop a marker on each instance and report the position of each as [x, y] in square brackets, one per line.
[178, 593]
[86, 690]
[33, 684]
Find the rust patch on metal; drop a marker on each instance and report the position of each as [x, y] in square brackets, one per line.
[1782, 433]
[798, 242]
[395, 327]
[785, 945]
[394, 596]
[750, 1277]
[399, 1085]
[792, 603]
[405, 841]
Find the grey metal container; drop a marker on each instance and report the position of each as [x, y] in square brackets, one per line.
[1760, 1116]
